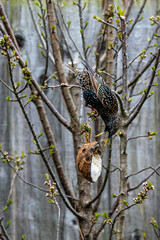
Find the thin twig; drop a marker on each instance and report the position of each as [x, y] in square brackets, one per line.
[59, 218]
[144, 169]
[82, 28]
[8, 27]
[157, 235]
[103, 224]
[145, 179]
[49, 77]
[108, 24]
[62, 32]
[67, 29]
[59, 212]
[10, 89]
[109, 75]
[26, 85]
[130, 63]
[124, 61]
[123, 112]
[136, 78]
[24, 181]
[31, 184]
[115, 219]
[63, 85]
[37, 30]
[4, 230]
[11, 188]
[137, 17]
[140, 61]
[134, 23]
[133, 138]
[145, 94]
[129, 7]
[46, 40]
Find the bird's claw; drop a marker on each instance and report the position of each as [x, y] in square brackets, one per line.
[95, 113]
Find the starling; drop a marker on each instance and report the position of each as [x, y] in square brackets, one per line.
[108, 105]
[91, 100]
[99, 96]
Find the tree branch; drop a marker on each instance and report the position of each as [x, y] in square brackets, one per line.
[51, 141]
[46, 41]
[62, 31]
[133, 138]
[115, 219]
[140, 61]
[147, 168]
[40, 92]
[4, 230]
[24, 181]
[134, 23]
[67, 29]
[103, 224]
[10, 89]
[8, 27]
[106, 23]
[37, 30]
[124, 61]
[129, 7]
[145, 94]
[82, 28]
[59, 65]
[123, 112]
[136, 78]
[144, 180]
[137, 17]
[47, 164]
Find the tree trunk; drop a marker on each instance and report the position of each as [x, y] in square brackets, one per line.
[123, 139]
[110, 37]
[123, 183]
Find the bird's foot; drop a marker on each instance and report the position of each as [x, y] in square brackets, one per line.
[106, 142]
[95, 112]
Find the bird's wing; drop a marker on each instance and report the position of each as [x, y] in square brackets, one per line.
[108, 99]
[102, 90]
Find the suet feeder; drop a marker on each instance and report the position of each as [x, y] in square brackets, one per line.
[89, 161]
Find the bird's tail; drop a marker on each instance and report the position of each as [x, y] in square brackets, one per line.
[96, 80]
[91, 74]
[72, 70]
[87, 66]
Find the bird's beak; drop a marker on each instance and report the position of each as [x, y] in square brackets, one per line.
[100, 134]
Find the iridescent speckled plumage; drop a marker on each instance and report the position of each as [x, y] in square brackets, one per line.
[99, 96]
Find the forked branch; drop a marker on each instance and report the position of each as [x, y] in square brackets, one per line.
[145, 94]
